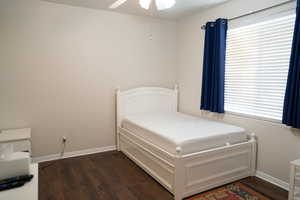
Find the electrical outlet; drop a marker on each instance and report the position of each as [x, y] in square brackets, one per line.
[64, 144]
[64, 139]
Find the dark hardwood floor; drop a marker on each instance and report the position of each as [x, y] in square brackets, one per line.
[112, 176]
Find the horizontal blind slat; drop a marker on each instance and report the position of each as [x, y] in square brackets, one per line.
[265, 31]
[253, 46]
[261, 105]
[255, 110]
[257, 51]
[258, 96]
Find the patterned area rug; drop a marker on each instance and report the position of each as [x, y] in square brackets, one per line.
[235, 191]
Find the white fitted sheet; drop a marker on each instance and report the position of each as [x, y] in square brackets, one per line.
[176, 130]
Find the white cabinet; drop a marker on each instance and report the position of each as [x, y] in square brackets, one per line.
[294, 191]
[20, 138]
[27, 192]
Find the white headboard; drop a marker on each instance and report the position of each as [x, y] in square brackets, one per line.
[145, 99]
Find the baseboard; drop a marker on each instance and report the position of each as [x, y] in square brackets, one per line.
[273, 180]
[72, 154]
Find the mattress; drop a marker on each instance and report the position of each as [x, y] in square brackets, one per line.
[174, 130]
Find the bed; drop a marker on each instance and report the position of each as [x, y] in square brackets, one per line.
[185, 154]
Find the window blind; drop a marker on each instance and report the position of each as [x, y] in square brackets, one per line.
[257, 62]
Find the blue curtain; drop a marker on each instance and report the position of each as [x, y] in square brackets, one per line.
[212, 97]
[291, 108]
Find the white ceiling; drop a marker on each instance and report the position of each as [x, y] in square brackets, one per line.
[181, 9]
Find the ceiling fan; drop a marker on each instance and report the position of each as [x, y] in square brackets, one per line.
[160, 4]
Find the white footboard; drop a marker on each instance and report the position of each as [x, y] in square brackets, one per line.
[193, 173]
[208, 169]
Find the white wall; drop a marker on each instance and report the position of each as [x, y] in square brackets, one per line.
[278, 145]
[59, 66]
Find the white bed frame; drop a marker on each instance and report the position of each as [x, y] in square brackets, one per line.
[182, 175]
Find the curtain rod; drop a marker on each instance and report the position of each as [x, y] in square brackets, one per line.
[257, 11]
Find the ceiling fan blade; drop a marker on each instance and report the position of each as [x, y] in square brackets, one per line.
[117, 4]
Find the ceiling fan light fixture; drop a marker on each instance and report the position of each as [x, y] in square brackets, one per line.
[145, 4]
[164, 4]
[160, 4]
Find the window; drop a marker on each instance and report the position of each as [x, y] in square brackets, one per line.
[257, 62]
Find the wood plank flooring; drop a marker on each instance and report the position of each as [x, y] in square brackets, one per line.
[112, 176]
